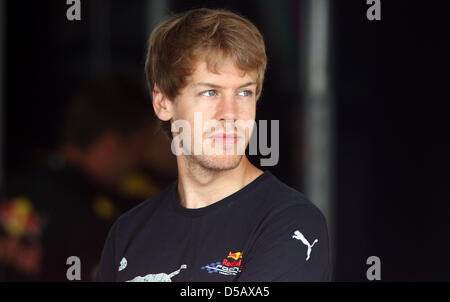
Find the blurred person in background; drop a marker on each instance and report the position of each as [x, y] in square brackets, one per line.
[107, 162]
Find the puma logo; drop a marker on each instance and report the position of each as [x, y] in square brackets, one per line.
[162, 277]
[299, 236]
[123, 264]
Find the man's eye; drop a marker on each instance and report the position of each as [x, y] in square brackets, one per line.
[209, 93]
[245, 93]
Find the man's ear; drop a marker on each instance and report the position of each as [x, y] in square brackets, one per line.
[161, 104]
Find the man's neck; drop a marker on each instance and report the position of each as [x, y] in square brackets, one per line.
[197, 190]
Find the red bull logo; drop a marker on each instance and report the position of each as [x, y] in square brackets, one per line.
[231, 265]
[18, 218]
[235, 256]
[233, 260]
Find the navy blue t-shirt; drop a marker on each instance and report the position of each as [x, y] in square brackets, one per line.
[264, 232]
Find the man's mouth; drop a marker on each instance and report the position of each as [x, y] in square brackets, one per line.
[225, 138]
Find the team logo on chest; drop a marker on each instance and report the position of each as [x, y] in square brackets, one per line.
[231, 265]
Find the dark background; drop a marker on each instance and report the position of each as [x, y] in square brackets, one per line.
[390, 85]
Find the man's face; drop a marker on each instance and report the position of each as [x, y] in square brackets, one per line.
[222, 98]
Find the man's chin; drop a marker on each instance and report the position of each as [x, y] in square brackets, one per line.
[218, 162]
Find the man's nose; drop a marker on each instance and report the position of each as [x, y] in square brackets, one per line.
[228, 108]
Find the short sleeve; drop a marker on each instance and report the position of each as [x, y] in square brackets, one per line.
[292, 246]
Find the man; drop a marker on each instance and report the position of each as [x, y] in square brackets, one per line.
[223, 219]
[65, 206]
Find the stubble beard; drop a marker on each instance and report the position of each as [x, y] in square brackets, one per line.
[227, 158]
[214, 162]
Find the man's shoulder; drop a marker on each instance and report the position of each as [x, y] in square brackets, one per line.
[281, 195]
[285, 203]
